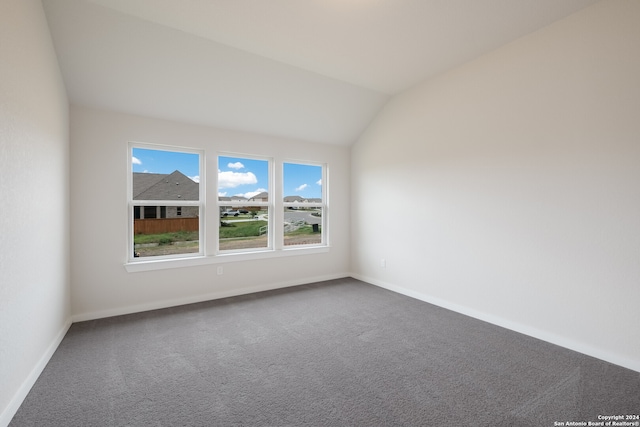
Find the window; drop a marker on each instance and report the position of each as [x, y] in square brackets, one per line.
[243, 203]
[303, 204]
[254, 207]
[162, 179]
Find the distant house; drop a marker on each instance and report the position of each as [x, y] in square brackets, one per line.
[260, 197]
[300, 200]
[173, 186]
[225, 208]
[294, 199]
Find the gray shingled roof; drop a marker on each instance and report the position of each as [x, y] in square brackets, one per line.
[155, 186]
[142, 181]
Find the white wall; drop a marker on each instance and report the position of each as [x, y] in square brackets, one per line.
[509, 188]
[100, 284]
[34, 224]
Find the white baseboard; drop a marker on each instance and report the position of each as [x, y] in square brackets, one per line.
[11, 409]
[9, 412]
[549, 337]
[155, 305]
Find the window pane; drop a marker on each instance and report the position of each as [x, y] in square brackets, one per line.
[302, 186]
[154, 235]
[302, 183]
[165, 229]
[165, 175]
[302, 226]
[244, 227]
[241, 179]
[242, 193]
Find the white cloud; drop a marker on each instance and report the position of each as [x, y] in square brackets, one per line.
[228, 179]
[236, 165]
[250, 194]
[302, 187]
[135, 160]
[319, 182]
[195, 178]
[222, 194]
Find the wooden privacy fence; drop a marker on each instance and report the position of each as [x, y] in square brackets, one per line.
[165, 225]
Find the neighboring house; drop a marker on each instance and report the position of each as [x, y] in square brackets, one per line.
[260, 197]
[224, 208]
[173, 186]
[294, 199]
[298, 201]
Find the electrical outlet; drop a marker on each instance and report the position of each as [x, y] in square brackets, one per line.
[383, 263]
[220, 270]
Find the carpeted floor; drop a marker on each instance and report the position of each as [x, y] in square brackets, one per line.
[337, 353]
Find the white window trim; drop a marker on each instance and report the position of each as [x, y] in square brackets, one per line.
[160, 264]
[201, 202]
[210, 254]
[324, 204]
[271, 162]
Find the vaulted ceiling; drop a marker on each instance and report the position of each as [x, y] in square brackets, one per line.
[315, 70]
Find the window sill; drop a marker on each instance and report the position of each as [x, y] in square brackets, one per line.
[162, 264]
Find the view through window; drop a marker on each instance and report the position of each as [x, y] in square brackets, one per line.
[165, 202]
[303, 204]
[244, 204]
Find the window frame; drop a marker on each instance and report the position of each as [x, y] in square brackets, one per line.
[131, 203]
[209, 252]
[269, 204]
[322, 205]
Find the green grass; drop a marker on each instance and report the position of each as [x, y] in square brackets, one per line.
[241, 229]
[231, 230]
[166, 238]
[306, 229]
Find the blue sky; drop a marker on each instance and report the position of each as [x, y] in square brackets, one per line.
[236, 175]
[302, 180]
[248, 177]
[159, 161]
[242, 177]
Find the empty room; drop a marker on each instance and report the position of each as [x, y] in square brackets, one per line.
[323, 212]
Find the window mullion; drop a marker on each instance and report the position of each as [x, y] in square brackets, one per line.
[166, 203]
[277, 207]
[325, 205]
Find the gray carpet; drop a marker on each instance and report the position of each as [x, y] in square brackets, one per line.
[337, 353]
